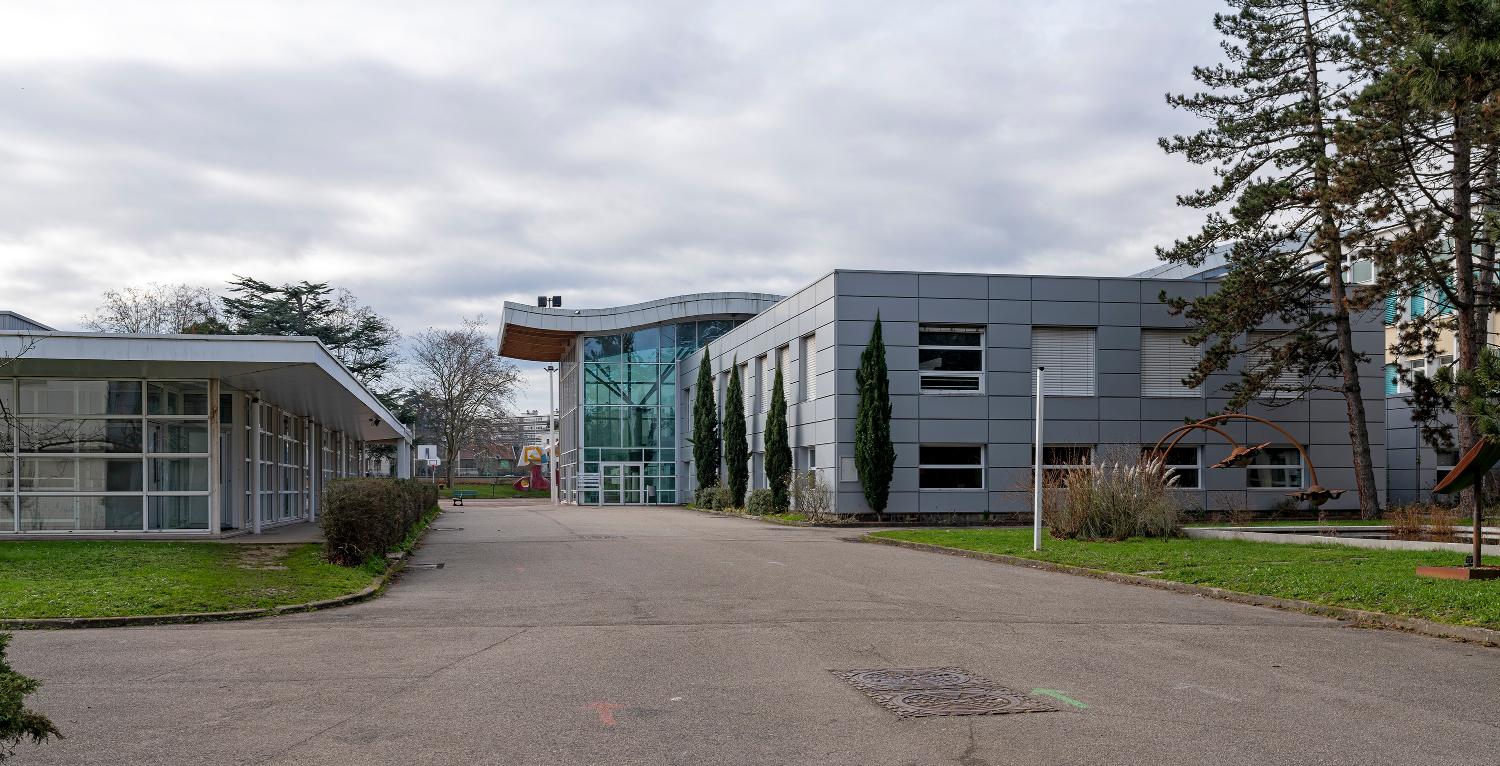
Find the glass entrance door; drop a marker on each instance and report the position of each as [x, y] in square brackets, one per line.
[621, 484]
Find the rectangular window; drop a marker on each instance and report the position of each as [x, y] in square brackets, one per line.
[1275, 468]
[1262, 348]
[1444, 461]
[784, 358]
[1182, 463]
[1058, 459]
[1068, 355]
[1362, 271]
[763, 371]
[946, 466]
[950, 359]
[809, 367]
[1165, 361]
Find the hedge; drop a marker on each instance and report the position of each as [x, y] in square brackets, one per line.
[364, 518]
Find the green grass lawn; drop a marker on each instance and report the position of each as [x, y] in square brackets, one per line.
[1358, 578]
[495, 490]
[107, 578]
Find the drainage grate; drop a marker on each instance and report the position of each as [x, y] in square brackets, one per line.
[918, 692]
[447, 529]
[438, 565]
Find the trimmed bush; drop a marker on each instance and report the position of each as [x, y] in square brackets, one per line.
[1114, 502]
[761, 502]
[16, 722]
[715, 498]
[364, 518]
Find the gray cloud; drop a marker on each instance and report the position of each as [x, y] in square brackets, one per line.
[442, 161]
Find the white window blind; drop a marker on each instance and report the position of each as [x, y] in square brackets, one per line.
[1165, 361]
[1068, 355]
[766, 379]
[786, 374]
[1259, 356]
[810, 367]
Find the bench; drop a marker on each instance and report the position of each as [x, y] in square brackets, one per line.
[460, 494]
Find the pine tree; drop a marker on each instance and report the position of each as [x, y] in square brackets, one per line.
[706, 427]
[778, 448]
[1275, 213]
[874, 452]
[17, 722]
[736, 443]
[363, 341]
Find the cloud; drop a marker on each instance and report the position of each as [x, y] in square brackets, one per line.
[440, 160]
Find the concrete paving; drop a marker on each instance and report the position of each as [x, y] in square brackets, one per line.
[665, 636]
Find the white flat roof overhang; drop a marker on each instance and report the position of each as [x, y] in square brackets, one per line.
[297, 373]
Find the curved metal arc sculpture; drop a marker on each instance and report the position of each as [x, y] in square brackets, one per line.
[1316, 494]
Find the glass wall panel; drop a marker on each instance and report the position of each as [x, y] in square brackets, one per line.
[45, 396]
[90, 435]
[179, 436]
[178, 513]
[7, 514]
[641, 345]
[179, 474]
[44, 513]
[602, 348]
[187, 397]
[687, 339]
[86, 474]
[710, 331]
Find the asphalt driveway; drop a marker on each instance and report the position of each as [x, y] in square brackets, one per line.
[665, 636]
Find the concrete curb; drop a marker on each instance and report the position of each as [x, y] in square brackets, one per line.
[753, 517]
[1358, 617]
[142, 620]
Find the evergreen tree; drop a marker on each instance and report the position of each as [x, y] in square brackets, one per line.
[1274, 212]
[874, 453]
[706, 427]
[778, 448]
[363, 341]
[17, 722]
[736, 443]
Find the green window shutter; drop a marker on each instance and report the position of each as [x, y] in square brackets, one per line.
[1392, 377]
[1418, 305]
[1392, 309]
[1444, 307]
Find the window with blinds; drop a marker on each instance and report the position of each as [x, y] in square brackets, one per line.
[1068, 355]
[784, 357]
[763, 369]
[1285, 384]
[1165, 361]
[810, 367]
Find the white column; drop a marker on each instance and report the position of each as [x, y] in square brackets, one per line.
[215, 460]
[403, 458]
[311, 449]
[255, 456]
[1038, 477]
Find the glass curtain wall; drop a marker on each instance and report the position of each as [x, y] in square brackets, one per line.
[104, 455]
[630, 409]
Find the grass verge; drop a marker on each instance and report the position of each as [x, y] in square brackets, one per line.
[1336, 575]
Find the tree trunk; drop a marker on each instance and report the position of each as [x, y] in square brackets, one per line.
[1330, 240]
[1469, 330]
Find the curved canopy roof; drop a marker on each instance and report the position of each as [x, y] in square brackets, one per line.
[543, 334]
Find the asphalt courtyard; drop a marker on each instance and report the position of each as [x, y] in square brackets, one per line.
[665, 636]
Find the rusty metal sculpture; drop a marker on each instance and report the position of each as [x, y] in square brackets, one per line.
[1241, 456]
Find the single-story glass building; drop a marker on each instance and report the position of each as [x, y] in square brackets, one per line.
[175, 435]
[961, 350]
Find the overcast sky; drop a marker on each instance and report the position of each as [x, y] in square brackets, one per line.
[438, 159]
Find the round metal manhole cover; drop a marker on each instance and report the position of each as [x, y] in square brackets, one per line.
[965, 701]
[896, 680]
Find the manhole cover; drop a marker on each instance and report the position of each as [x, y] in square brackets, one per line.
[917, 692]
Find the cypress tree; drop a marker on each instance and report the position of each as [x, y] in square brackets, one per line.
[874, 453]
[736, 445]
[778, 448]
[705, 427]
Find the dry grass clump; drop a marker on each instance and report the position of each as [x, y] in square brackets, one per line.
[1116, 501]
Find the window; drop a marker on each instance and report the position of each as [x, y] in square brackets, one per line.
[1068, 355]
[1058, 459]
[1183, 463]
[1262, 346]
[809, 374]
[950, 467]
[763, 367]
[1165, 361]
[1444, 461]
[784, 358]
[1275, 468]
[951, 359]
[1362, 271]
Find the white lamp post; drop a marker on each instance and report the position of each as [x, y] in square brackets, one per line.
[551, 437]
[1037, 477]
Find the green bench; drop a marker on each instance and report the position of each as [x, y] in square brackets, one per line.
[460, 494]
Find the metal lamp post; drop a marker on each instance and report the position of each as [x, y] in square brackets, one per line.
[551, 437]
[1037, 475]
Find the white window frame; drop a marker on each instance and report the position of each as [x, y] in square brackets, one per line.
[1300, 467]
[1441, 466]
[981, 466]
[1196, 465]
[1049, 468]
[977, 375]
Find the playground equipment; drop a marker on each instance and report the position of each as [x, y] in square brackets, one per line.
[534, 455]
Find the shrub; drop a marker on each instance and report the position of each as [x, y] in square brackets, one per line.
[811, 497]
[1423, 521]
[762, 502]
[364, 518]
[1116, 501]
[715, 498]
[16, 722]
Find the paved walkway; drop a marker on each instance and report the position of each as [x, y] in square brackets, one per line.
[664, 636]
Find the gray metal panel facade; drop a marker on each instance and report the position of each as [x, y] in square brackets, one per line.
[1117, 420]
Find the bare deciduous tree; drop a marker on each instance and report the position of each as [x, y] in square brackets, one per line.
[465, 384]
[157, 309]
